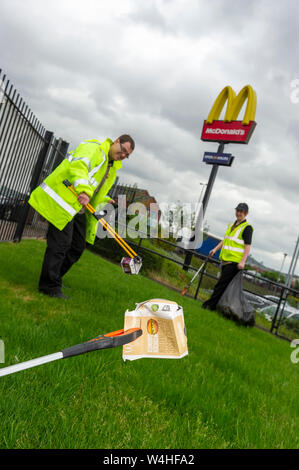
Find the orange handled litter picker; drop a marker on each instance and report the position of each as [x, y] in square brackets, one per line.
[131, 264]
[109, 340]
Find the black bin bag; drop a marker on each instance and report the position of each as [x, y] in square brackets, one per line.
[233, 303]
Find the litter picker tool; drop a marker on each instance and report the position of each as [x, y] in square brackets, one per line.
[109, 340]
[187, 287]
[130, 264]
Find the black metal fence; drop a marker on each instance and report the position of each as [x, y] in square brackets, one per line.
[263, 293]
[28, 153]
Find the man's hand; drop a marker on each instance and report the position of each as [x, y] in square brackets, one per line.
[83, 199]
[212, 252]
[241, 265]
[111, 201]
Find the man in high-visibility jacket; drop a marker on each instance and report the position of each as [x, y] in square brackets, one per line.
[235, 249]
[91, 169]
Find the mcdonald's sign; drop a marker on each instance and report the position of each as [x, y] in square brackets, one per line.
[229, 129]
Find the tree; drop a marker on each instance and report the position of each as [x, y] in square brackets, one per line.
[282, 278]
[272, 275]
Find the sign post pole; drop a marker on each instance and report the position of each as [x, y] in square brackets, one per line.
[225, 131]
[212, 177]
[211, 181]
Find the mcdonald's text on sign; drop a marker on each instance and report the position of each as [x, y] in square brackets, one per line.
[230, 130]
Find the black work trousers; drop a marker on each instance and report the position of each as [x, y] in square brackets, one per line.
[228, 272]
[64, 248]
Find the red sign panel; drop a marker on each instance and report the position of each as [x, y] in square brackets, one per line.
[234, 131]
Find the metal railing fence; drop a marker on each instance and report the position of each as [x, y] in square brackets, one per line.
[28, 153]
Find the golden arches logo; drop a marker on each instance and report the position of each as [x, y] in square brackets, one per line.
[234, 105]
[229, 129]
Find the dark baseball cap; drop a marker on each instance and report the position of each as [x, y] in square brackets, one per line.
[242, 206]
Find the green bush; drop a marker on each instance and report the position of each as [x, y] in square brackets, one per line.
[108, 248]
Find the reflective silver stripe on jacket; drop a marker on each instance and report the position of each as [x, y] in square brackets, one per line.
[76, 159]
[232, 248]
[235, 239]
[240, 230]
[81, 181]
[96, 168]
[94, 182]
[83, 159]
[58, 199]
[89, 142]
[86, 160]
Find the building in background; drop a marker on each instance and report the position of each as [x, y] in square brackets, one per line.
[136, 195]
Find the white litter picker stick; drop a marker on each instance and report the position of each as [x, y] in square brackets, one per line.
[187, 287]
[109, 340]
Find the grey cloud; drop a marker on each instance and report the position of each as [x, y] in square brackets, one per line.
[149, 14]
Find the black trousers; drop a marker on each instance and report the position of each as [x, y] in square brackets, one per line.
[64, 248]
[228, 272]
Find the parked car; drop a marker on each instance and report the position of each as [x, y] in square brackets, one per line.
[293, 316]
[273, 298]
[255, 300]
[269, 311]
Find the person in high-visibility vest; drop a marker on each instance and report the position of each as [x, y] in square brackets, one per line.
[91, 169]
[235, 248]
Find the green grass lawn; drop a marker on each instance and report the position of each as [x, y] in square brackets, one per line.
[236, 389]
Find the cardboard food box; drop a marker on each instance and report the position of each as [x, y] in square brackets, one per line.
[163, 330]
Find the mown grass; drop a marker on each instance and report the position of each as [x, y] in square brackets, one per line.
[237, 388]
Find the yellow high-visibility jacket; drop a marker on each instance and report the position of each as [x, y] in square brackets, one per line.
[84, 168]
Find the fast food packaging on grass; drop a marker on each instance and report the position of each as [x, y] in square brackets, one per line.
[163, 330]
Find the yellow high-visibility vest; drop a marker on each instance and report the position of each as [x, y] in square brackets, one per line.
[233, 244]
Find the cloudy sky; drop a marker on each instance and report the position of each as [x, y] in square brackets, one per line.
[152, 68]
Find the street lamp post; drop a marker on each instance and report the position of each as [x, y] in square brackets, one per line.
[276, 289]
[281, 267]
